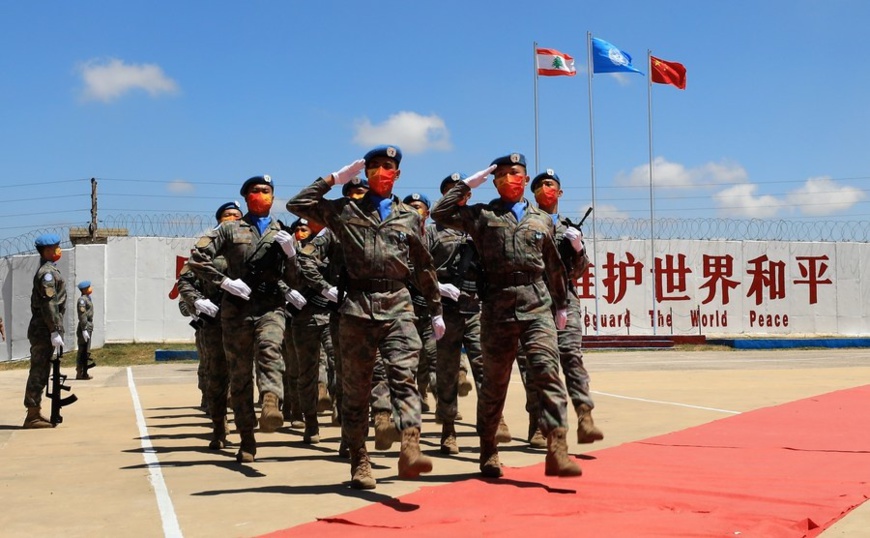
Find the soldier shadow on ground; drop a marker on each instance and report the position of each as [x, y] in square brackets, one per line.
[343, 489]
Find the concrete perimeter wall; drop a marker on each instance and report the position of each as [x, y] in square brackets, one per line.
[716, 288]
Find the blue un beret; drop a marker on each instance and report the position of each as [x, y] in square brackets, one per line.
[393, 152]
[84, 284]
[224, 207]
[547, 174]
[256, 180]
[513, 158]
[451, 180]
[417, 197]
[46, 240]
[355, 182]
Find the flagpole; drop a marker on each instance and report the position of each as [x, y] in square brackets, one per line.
[652, 235]
[595, 260]
[535, 72]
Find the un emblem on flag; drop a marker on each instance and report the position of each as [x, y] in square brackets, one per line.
[617, 57]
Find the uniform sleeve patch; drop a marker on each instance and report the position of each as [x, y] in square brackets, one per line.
[48, 277]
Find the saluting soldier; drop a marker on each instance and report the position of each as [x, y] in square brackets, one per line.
[45, 332]
[382, 240]
[84, 330]
[524, 280]
[257, 252]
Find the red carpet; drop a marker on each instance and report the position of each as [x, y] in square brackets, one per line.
[790, 471]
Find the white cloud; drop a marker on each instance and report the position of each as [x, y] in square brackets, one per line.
[179, 186]
[741, 201]
[606, 211]
[410, 131]
[107, 80]
[675, 175]
[821, 196]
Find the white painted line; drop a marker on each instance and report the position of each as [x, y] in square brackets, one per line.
[666, 403]
[155, 476]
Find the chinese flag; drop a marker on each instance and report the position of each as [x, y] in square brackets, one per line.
[663, 72]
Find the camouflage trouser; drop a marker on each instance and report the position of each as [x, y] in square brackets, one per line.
[499, 342]
[202, 367]
[399, 344]
[41, 352]
[310, 338]
[84, 350]
[380, 399]
[336, 358]
[570, 357]
[248, 339]
[461, 330]
[291, 372]
[213, 355]
[426, 369]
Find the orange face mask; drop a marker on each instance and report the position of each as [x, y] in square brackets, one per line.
[511, 186]
[230, 217]
[547, 196]
[259, 203]
[53, 254]
[302, 234]
[381, 181]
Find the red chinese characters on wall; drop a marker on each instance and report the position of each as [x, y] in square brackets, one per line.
[767, 278]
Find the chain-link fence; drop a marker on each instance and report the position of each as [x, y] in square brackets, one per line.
[193, 225]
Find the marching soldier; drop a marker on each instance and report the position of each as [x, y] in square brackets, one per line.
[258, 255]
[202, 299]
[547, 188]
[524, 279]
[382, 240]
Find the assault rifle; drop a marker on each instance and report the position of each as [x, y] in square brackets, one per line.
[566, 251]
[53, 390]
[263, 273]
[88, 363]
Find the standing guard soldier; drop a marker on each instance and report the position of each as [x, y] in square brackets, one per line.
[84, 330]
[382, 240]
[257, 252]
[524, 279]
[45, 332]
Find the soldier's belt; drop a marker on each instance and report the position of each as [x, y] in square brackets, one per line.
[375, 285]
[504, 280]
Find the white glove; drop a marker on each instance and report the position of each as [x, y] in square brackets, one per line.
[296, 299]
[86, 336]
[476, 179]
[575, 236]
[237, 287]
[56, 339]
[205, 306]
[287, 242]
[438, 327]
[448, 290]
[331, 294]
[561, 318]
[348, 172]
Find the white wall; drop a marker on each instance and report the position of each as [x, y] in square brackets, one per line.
[132, 278]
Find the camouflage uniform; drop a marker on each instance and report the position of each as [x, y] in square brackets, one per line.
[451, 249]
[521, 262]
[569, 338]
[85, 310]
[47, 308]
[212, 358]
[376, 313]
[253, 330]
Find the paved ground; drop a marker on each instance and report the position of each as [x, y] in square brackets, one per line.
[102, 473]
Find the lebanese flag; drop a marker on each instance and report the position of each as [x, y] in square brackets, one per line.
[663, 72]
[551, 63]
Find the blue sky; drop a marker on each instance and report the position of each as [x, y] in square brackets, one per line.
[172, 105]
